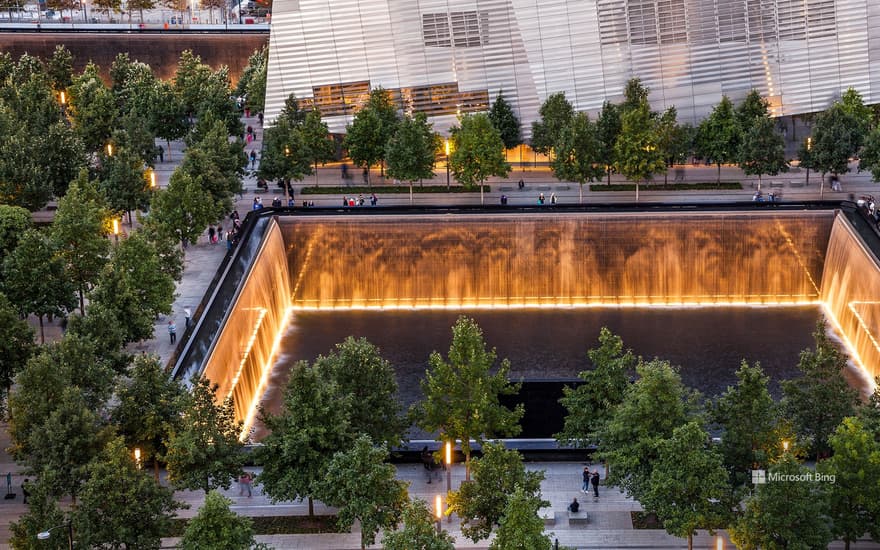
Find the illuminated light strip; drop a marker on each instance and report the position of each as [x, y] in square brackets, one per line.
[851, 306]
[264, 377]
[247, 350]
[798, 257]
[554, 305]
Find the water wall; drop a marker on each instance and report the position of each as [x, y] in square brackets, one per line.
[851, 293]
[570, 259]
[244, 347]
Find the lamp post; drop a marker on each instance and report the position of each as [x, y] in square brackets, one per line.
[785, 445]
[448, 473]
[116, 230]
[809, 148]
[45, 535]
[137, 457]
[152, 179]
[447, 163]
[719, 543]
[109, 149]
[438, 510]
[286, 192]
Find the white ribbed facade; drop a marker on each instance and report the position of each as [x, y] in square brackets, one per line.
[444, 57]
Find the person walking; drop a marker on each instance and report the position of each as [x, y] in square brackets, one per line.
[585, 485]
[594, 481]
[552, 198]
[172, 331]
[253, 158]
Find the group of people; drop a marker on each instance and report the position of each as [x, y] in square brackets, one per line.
[359, 201]
[772, 196]
[542, 199]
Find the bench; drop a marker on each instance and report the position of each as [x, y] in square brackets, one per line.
[505, 188]
[777, 184]
[548, 515]
[798, 183]
[578, 518]
[563, 188]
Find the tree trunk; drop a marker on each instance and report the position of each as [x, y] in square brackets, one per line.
[82, 301]
[719, 174]
[311, 507]
[608, 171]
[467, 466]
[42, 335]
[845, 544]
[316, 173]
[168, 141]
[690, 541]
[156, 468]
[130, 222]
[581, 193]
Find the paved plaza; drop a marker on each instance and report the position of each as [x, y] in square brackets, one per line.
[610, 526]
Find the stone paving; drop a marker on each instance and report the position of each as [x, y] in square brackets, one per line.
[610, 526]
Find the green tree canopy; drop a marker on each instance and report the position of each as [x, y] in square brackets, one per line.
[316, 139]
[718, 135]
[204, 450]
[497, 475]
[651, 410]
[820, 399]
[123, 182]
[34, 279]
[869, 156]
[417, 532]
[784, 514]
[688, 488]
[753, 108]
[520, 528]
[373, 126]
[607, 130]
[762, 150]
[121, 506]
[360, 483]
[477, 151]
[462, 396]
[854, 497]
[578, 153]
[555, 113]
[182, 211]
[216, 526]
[837, 135]
[92, 109]
[411, 149]
[368, 382]
[16, 344]
[14, 221]
[591, 404]
[637, 151]
[312, 425]
[59, 67]
[42, 511]
[504, 120]
[635, 95]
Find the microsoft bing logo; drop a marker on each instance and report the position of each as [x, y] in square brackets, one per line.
[759, 477]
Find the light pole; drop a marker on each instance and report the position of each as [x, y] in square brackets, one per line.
[447, 164]
[137, 457]
[44, 535]
[438, 510]
[448, 473]
[116, 230]
[809, 148]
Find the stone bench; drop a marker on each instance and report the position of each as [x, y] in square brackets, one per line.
[544, 188]
[548, 515]
[578, 518]
[563, 187]
[799, 183]
[777, 184]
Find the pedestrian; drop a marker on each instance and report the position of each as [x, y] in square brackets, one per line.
[161, 154]
[585, 486]
[172, 331]
[244, 484]
[260, 117]
[594, 481]
[574, 506]
[26, 489]
[552, 198]
[211, 233]
[428, 462]
[541, 198]
[253, 158]
[344, 201]
[219, 234]
[373, 199]
[344, 169]
[187, 317]
[521, 184]
[229, 235]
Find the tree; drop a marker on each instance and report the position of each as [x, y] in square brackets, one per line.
[216, 526]
[204, 451]
[688, 487]
[14, 221]
[869, 412]
[148, 408]
[718, 135]
[477, 151]
[635, 95]
[497, 475]
[869, 156]
[855, 468]
[79, 230]
[753, 108]
[61, 155]
[120, 505]
[285, 155]
[16, 344]
[651, 410]
[92, 108]
[253, 71]
[762, 150]
[312, 425]
[134, 287]
[637, 150]
[555, 113]
[783, 514]
[215, 161]
[123, 182]
[852, 103]
[750, 420]
[167, 115]
[418, 532]
[520, 528]
[462, 396]
[182, 211]
[35, 281]
[316, 139]
[59, 68]
[836, 137]
[820, 399]
[42, 511]
[410, 151]
[590, 405]
[504, 120]
[108, 5]
[577, 153]
[607, 130]
[367, 380]
[364, 488]
[368, 135]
